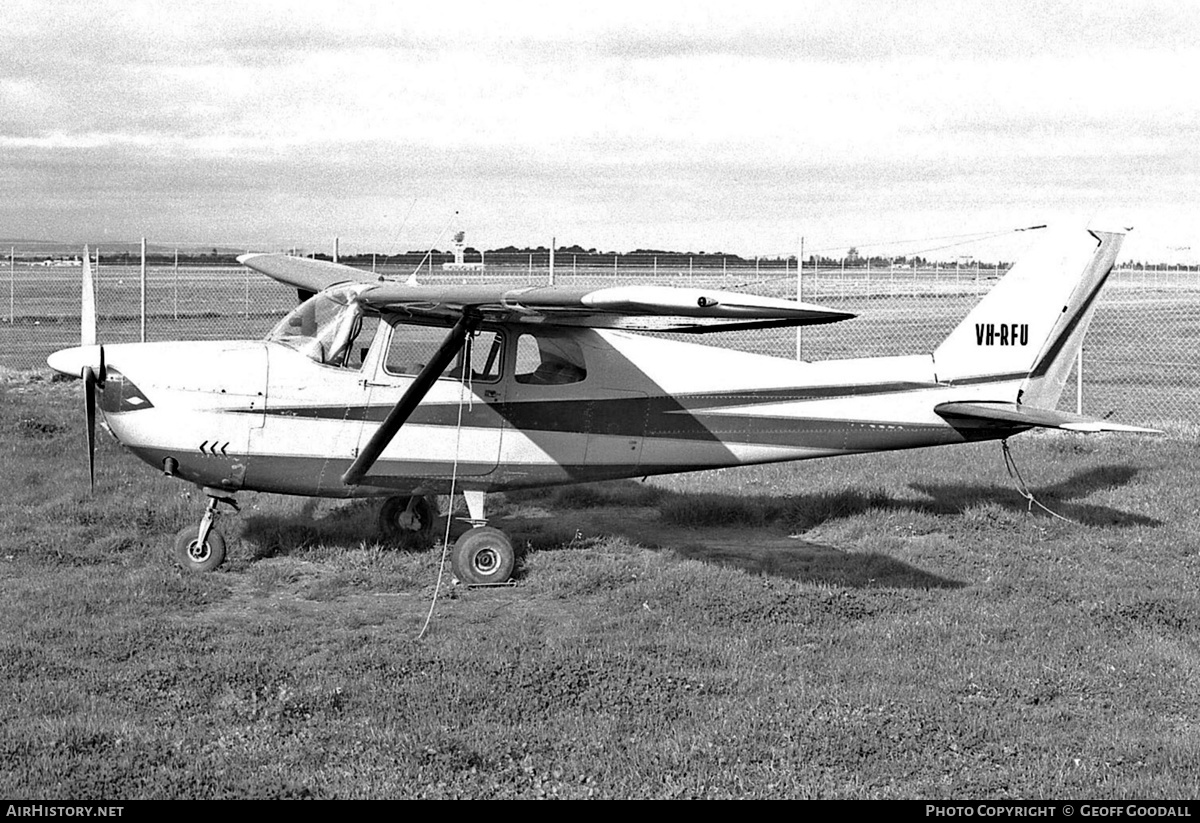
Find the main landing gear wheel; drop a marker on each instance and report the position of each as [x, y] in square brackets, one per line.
[197, 557]
[408, 521]
[483, 555]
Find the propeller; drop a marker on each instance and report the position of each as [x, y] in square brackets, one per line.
[91, 381]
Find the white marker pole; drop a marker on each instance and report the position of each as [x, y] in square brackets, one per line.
[12, 279]
[552, 241]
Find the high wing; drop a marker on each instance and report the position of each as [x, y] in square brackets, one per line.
[1006, 414]
[463, 308]
[636, 308]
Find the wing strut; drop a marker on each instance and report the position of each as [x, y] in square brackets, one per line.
[420, 387]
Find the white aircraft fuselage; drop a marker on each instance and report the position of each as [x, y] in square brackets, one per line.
[241, 415]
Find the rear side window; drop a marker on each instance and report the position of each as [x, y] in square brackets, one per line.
[549, 361]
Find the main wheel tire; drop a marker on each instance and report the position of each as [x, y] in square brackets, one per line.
[196, 558]
[408, 531]
[483, 555]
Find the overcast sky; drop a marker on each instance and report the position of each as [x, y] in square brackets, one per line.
[733, 126]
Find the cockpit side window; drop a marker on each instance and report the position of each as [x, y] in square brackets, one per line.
[412, 346]
[545, 360]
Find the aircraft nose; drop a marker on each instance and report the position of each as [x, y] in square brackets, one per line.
[72, 361]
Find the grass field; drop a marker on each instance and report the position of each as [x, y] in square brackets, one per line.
[894, 626]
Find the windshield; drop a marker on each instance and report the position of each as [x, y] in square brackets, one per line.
[324, 326]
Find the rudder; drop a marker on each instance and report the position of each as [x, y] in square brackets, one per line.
[1031, 325]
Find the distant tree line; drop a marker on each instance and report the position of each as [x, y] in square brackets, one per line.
[566, 255]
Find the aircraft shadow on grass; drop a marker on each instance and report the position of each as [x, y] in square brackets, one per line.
[1063, 498]
[755, 534]
[757, 545]
[278, 535]
[761, 548]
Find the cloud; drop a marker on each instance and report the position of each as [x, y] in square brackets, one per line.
[628, 119]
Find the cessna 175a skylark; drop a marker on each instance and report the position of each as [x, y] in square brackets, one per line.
[544, 385]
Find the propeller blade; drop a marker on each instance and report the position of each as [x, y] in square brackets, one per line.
[89, 407]
[87, 310]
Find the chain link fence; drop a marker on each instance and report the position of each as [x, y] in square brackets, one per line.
[1141, 360]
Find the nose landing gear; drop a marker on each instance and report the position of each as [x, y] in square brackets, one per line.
[203, 549]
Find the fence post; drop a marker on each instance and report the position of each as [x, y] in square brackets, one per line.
[1079, 381]
[143, 278]
[800, 298]
[175, 283]
[12, 279]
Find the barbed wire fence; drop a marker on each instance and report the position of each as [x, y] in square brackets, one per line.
[1141, 359]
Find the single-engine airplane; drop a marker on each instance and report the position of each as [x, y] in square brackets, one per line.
[381, 388]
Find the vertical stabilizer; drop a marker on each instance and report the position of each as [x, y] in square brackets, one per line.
[1031, 325]
[87, 304]
[1046, 380]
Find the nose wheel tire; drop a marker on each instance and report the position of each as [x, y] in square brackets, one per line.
[483, 556]
[193, 556]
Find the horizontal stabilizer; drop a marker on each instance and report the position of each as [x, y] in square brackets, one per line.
[1014, 414]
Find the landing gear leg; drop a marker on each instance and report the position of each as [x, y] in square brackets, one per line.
[484, 555]
[203, 549]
